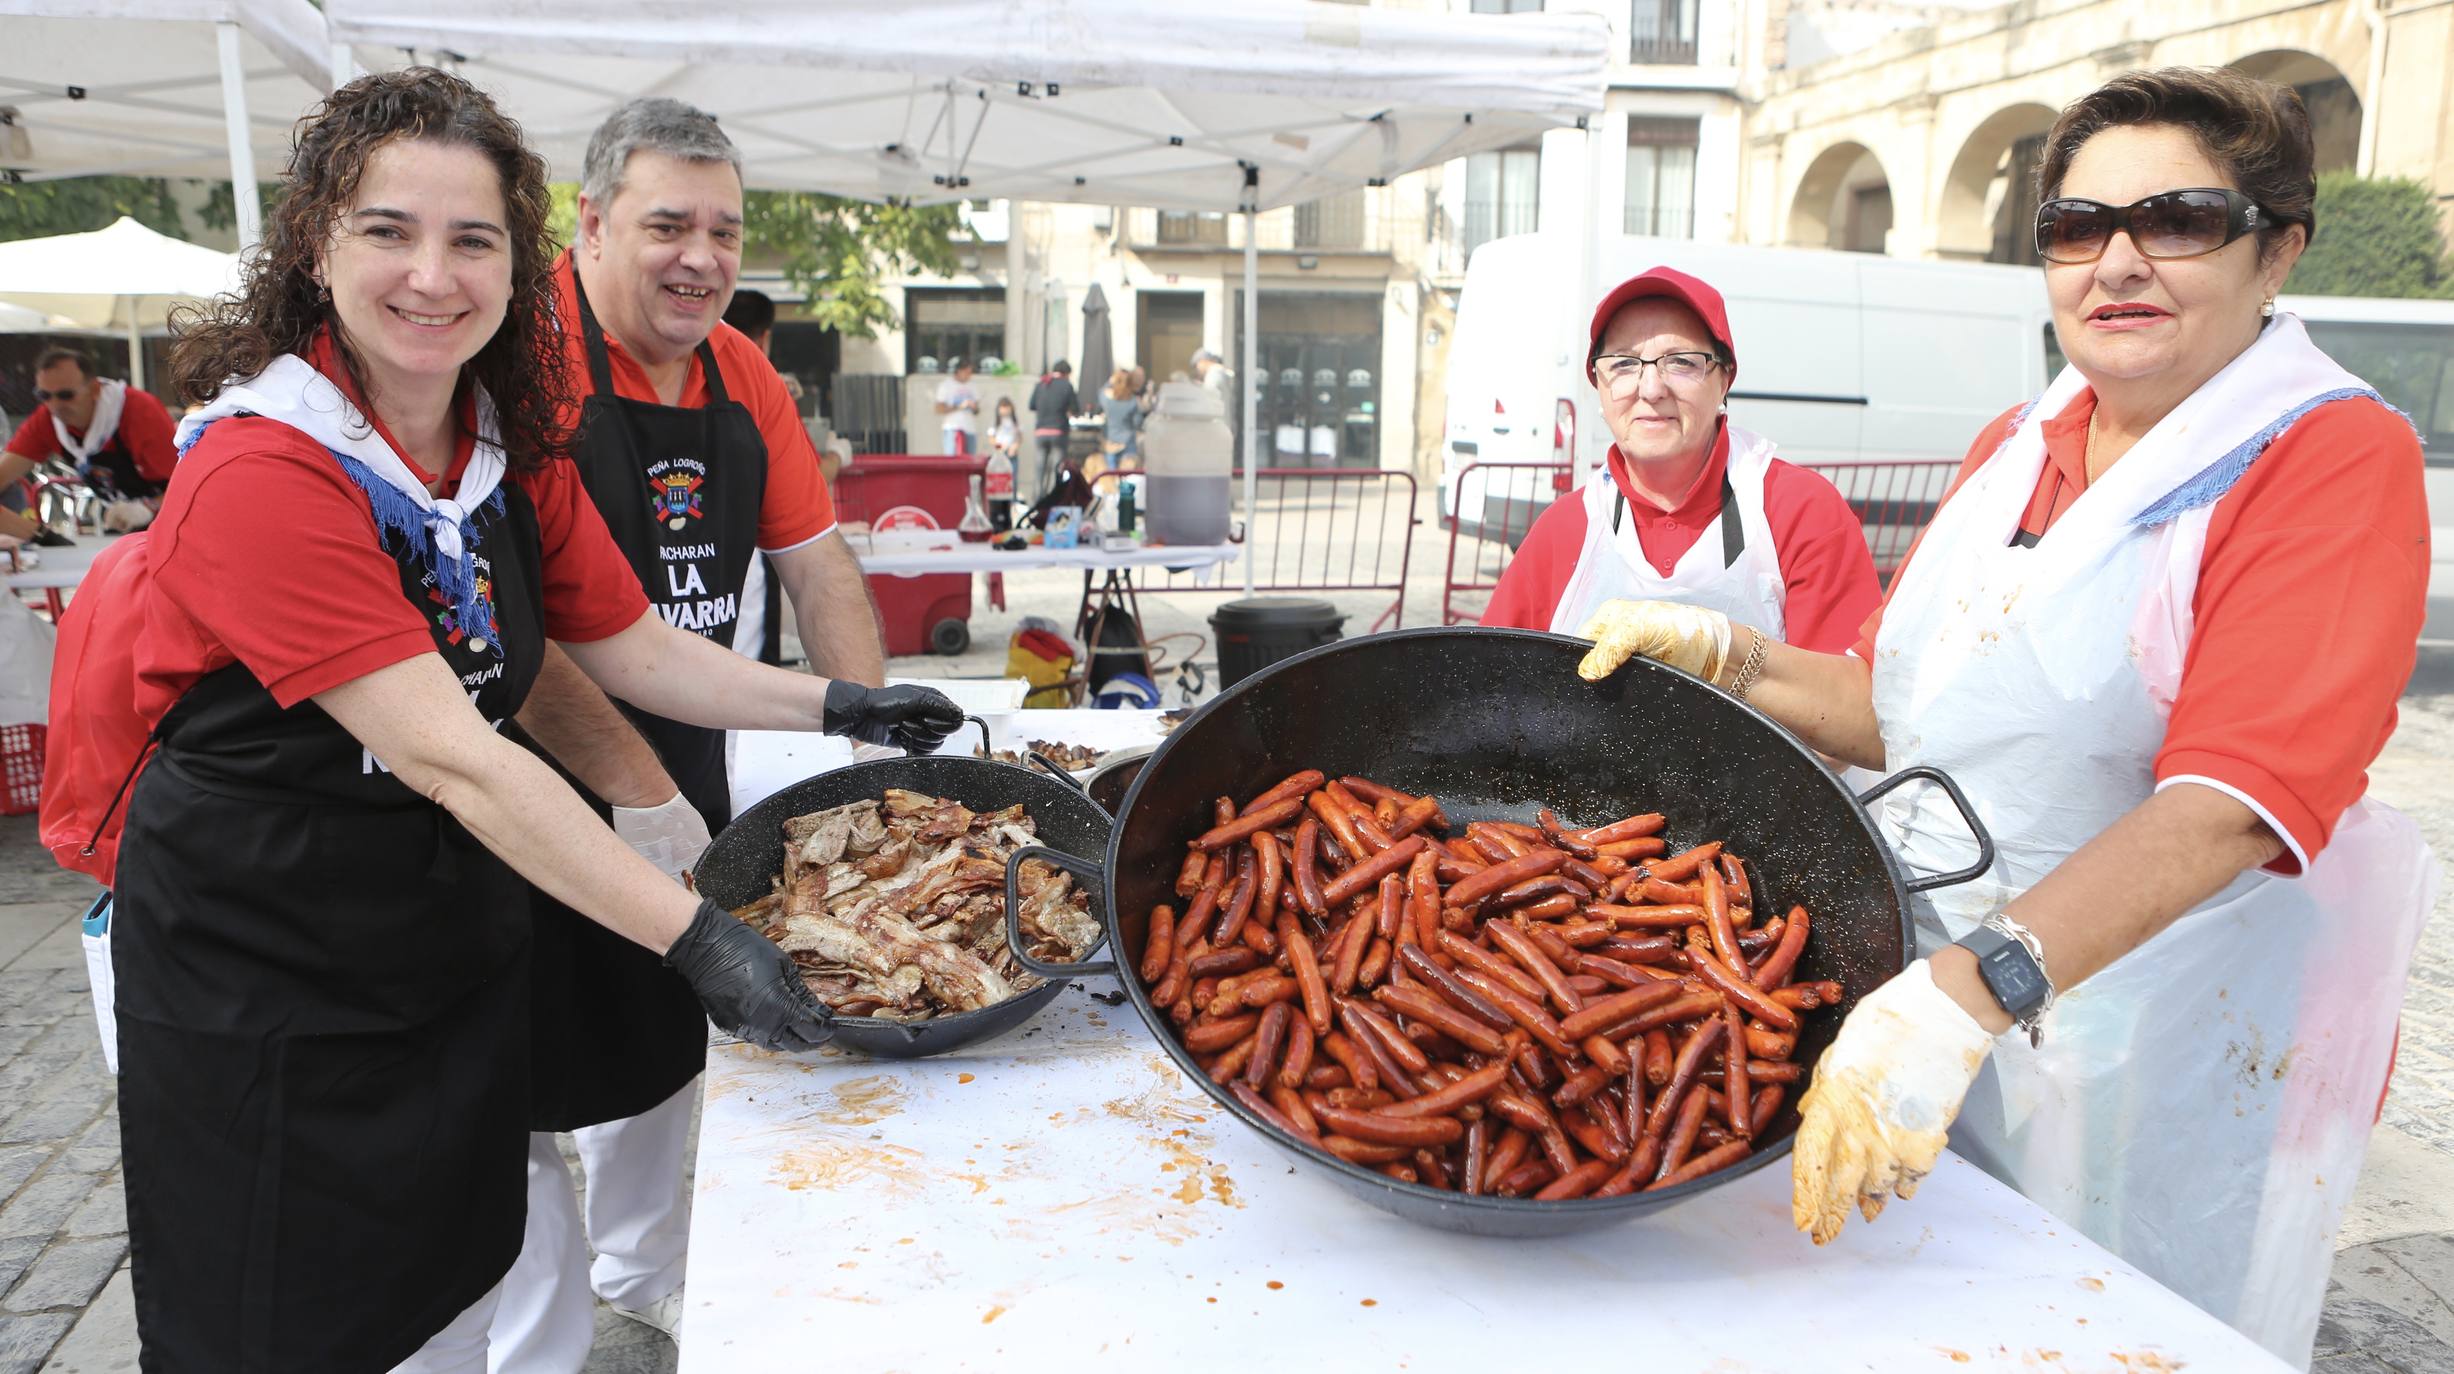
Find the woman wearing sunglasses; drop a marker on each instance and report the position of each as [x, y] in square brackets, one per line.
[2157, 632]
[1690, 508]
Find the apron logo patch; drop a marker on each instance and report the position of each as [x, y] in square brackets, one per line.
[474, 623]
[673, 491]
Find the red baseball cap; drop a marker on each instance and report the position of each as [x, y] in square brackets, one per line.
[1670, 284]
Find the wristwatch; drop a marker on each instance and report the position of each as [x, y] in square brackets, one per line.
[2013, 968]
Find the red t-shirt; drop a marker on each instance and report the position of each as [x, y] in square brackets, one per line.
[144, 431]
[1827, 574]
[2311, 596]
[258, 506]
[796, 508]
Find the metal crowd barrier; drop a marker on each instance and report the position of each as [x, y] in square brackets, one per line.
[1313, 530]
[1489, 507]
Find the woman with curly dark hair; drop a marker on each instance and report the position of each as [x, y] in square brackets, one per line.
[321, 920]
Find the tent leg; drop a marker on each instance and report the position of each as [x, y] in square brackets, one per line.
[1252, 397]
[242, 149]
[136, 346]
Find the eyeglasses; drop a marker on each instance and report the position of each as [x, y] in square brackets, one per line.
[1621, 373]
[70, 394]
[2171, 224]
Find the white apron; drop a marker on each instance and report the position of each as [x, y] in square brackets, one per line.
[1612, 565]
[2200, 1107]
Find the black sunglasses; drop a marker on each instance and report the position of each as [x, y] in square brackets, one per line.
[70, 394]
[2170, 224]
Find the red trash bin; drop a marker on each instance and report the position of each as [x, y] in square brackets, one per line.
[921, 612]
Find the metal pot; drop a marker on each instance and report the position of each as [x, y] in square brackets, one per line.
[1110, 781]
[1496, 723]
[742, 865]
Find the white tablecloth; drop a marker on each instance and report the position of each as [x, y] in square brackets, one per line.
[1059, 1198]
[54, 568]
[915, 552]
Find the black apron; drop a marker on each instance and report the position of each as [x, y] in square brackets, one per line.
[113, 469]
[323, 1015]
[616, 1032]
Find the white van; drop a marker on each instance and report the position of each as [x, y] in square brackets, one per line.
[2403, 348]
[1844, 358]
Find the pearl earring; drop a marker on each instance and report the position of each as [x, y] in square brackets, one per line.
[2267, 311]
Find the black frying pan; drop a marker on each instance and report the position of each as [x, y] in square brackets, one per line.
[742, 864]
[1496, 723]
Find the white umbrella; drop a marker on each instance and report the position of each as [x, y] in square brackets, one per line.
[1246, 106]
[126, 276]
[176, 88]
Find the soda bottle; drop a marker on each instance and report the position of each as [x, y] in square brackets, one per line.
[999, 482]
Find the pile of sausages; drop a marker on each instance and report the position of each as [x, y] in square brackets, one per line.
[1507, 1009]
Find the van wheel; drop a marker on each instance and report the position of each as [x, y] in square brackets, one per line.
[949, 638]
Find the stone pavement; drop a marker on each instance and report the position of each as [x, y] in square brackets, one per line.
[64, 1295]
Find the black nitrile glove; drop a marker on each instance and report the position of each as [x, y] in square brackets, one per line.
[914, 718]
[748, 986]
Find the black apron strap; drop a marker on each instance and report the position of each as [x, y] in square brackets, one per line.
[715, 378]
[600, 367]
[1733, 530]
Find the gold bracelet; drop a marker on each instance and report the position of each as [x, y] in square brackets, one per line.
[1751, 667]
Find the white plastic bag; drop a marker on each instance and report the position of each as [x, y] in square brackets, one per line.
[96, 937]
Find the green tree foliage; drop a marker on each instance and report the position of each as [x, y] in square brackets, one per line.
[832, 249]
[837, 251]
[2377, 236]
[77, 205]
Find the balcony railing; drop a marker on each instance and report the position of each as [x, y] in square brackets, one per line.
[1337, 224]
[1662, 52]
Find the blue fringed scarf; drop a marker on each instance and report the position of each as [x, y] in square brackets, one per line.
[443, 533]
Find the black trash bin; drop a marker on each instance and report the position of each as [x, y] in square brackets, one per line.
[1256, 632]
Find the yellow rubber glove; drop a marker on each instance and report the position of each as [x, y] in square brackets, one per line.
[1691, 639]
[1873, 1121]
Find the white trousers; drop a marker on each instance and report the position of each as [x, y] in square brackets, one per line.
[459, 1348]
[637, 1220]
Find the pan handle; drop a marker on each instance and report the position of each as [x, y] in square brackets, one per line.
[1968, 817]
[985, 751]
[1052, 769]
[1094, 879]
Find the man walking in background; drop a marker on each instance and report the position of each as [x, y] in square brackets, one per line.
[1053, 403]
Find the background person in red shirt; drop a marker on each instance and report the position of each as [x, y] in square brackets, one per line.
[117, 436]
[322, 888]
[2156, 633]
[1690, 508]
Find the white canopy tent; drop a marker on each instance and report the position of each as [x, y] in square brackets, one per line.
[176, 88]
[1240, 107]
[124, 277]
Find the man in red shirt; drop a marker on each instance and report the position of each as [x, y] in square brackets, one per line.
[117, 436]
[1785, 552]
[692, 450]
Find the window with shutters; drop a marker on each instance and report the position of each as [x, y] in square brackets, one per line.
[1503, 194]
[1661, 177]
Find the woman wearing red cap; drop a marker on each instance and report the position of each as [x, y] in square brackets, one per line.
[2156, 631]
[1694, 509]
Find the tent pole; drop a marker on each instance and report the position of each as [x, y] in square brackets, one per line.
[136, 345]
[242, 150]
[1252, 390]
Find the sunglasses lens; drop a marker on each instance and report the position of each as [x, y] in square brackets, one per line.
[2072, 231]
[2181, 225]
